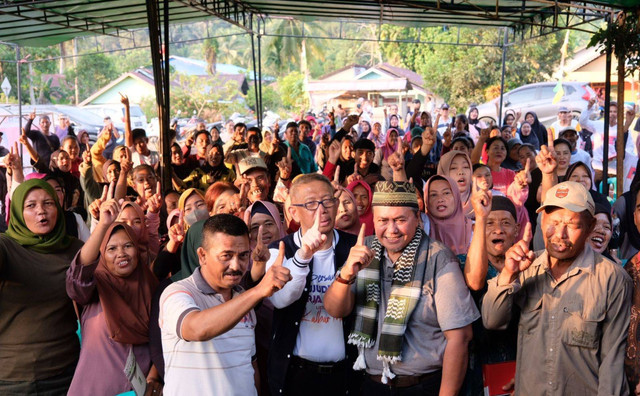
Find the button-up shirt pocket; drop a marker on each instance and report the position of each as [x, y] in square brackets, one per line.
[530, 316]
[579, 331]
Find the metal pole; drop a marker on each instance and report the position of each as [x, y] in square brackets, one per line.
[158, 82]
[620, 146]
[607, 103]
[165, 140]
[260, 120]
[504, 61]
[255, 77]
[19, 93]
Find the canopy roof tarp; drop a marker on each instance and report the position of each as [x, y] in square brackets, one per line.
[48, 22]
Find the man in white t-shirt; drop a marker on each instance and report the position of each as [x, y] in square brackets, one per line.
[308, 354]
[207, 320]
[565, 121]
[597, 127]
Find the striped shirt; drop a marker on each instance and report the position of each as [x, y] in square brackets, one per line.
[220, 366]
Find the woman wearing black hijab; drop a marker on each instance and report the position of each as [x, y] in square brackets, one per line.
[536, 127]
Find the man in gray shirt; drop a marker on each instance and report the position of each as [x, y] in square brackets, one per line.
[413, 309]
[574, 304]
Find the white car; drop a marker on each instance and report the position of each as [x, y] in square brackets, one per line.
[116, 112]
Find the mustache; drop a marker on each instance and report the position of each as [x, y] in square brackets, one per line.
[567, 243]
[233, 273]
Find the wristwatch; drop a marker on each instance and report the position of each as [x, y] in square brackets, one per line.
[344, 281]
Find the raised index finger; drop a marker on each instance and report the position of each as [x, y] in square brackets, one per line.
[112, 190]
[550, 139]
[336, 174]
[528, 235]
[527, 167]
[259, 240]
[105, 191]
[360, 241]
[289, 153]
[316, 221]
[280, 257]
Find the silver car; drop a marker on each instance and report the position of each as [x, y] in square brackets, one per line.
[538, 98]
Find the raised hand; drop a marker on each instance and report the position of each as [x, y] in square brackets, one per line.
[428, 138]
[396, 161]
[154, 202]
[32, 115]
[98, 207]
[126, 165]
[334, 152]
[176, 235]
[592, 101]
[350, 121]
[260, 254]
[360, 257]
[523, 178]
[124, 99]
[276, 277]
[480, 200]
[354, 176]
[518, 258]
[86, 156]
[546, 158]
[285, 166]
[313, 239]
[336, 182]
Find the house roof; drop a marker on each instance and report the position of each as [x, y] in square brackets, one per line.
[581, 58]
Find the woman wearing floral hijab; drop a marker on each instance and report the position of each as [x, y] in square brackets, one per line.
[390, 146]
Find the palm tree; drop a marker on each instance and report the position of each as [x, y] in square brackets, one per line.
[288, 50]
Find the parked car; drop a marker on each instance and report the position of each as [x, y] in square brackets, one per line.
[538, 97]
[116, 112]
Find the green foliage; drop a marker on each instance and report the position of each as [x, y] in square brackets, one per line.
[463, 74]
[623, 36]
[292, 92]
[270, 98]
[210, 95]
[93, 72]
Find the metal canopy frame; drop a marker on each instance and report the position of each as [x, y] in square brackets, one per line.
[48, 22]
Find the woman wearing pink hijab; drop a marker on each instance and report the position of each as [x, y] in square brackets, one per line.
[390, 146]
[363, 196]
[456, 165]
[448, 223]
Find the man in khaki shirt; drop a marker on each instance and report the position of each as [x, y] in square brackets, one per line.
[574, 304]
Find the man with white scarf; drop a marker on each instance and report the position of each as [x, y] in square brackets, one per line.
[413, 310]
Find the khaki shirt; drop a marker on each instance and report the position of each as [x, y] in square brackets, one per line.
[572, 332]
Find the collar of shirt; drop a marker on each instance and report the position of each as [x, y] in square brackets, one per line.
[297, 238]
[582, 262]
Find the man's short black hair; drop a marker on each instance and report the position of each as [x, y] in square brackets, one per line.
[240, 125]
[364, 144]
[291, 125]
[224, 223]
[138, 133]
[198, 133]
[305, 122]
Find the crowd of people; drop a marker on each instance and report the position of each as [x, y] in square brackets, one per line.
[412, 256]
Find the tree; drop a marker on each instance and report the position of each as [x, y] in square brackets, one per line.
[93, 72]
[463, 74]
[285, 54]
[291, 88]
[270, 98]
[212, 94]
[210, 49]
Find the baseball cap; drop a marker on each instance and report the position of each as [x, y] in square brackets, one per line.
[569, 195]
[563, 109]
[561, 134]
[444, 106]
[249, 163]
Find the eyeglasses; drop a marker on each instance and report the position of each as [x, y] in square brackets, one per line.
[313, 205]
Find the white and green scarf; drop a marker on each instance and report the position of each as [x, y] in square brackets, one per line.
[406, 288]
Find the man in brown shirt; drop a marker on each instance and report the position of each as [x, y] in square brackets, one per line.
[574, 304]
